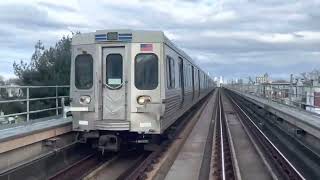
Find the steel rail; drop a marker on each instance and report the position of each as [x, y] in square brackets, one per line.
[295, 171]
[224, 168]
[68, 168]
[221, 140]
[79, 169]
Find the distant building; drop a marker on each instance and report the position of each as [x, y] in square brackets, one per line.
[220, 82]
[311, 95]
[262, 79]
[301, 92]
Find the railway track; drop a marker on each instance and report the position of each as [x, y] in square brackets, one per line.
[124, 165]
[147, 164]
[86, 165]
[45, 166]
[136, 165]
[78, 169]
[141, 163]
[281, 163]
[223, 163]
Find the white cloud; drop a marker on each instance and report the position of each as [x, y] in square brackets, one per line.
[271, 35]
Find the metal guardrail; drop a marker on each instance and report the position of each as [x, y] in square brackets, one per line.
[25, 98]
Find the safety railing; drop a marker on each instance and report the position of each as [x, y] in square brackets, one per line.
[303, 97]
[25, 103]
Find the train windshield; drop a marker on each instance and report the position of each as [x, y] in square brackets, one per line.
[114, 70]
[84, 71]
[146, 71]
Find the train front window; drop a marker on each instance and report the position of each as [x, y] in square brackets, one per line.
[84, 71]
[114, 70]
[146, 71]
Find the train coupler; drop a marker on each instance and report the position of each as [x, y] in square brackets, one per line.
[109, 142]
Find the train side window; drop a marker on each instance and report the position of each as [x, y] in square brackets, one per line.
[199, 82]
[190, 76]
[206, 82]
[173, 80]
[170, 72]
[146, 71]
[186, 75]
[114, 70]
[192, 79]
[201, 75]
[180, 64]
[84, 71]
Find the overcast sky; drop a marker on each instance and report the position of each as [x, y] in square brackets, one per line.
[233, 38]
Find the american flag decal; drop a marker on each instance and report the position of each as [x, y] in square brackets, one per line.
[146, 47]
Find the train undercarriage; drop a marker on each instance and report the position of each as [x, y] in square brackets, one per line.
[111, 141]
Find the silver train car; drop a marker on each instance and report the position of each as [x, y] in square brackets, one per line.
[130, 86]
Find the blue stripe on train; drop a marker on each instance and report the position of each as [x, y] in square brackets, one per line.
[125, 35]
[97, 38]
[121, 37]
[101, 35]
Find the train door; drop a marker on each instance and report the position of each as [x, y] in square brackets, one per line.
[181, 78]
[114, 83]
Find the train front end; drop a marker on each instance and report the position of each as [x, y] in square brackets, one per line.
[115, 87]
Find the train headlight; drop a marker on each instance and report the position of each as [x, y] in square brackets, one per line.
[85, 99]
[142, 100]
